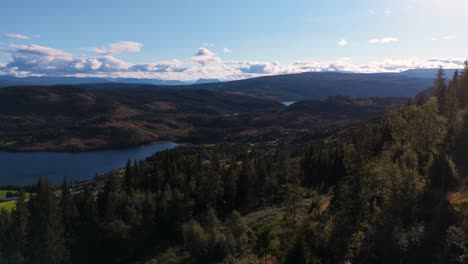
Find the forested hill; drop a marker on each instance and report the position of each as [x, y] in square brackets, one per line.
[6, 80]
[73, 118]
[104, 116]
[320, 85]
[388, 191]
[74, 100]
[290, 87]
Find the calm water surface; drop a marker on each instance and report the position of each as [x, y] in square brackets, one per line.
[288, 103]
[25, 168]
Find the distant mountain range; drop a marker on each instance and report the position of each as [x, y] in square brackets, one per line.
[320, 85]
[427, 73]
[290, 87]
[205, 81]
[6, 80]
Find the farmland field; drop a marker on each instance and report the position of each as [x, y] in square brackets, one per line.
[10, 205]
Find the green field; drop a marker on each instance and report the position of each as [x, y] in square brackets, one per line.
[10, 205]
[4, 192]
[6, 144]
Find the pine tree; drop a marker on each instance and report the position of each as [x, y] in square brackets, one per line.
[439, 89]
[20, 229]
[47, 240]
[462, 93]
[421, 99]
[195, 238]
[129, 176]
[239, 230]
[244, 184]
[69, 212]
[156, 178]
[109, 197]
[86, 229]
[451, 101]
[283, 170]
[230, 185]
[298, 253]
[5, 227]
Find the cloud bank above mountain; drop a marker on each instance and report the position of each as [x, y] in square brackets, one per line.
[37, 60]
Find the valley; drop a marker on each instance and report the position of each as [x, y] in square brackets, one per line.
[103, 116]
[233, 132]
[257, 180]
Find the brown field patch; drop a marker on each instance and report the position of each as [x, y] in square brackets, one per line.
[71, 144]
[125, 112]
[88, 99]
[49, 98]
[161, 106]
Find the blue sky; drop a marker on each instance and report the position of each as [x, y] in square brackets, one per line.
[187, 39]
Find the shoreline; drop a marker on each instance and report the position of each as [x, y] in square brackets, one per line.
[86, 150]
[82, 168]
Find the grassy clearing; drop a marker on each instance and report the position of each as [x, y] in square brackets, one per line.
[10, 205]
[261, 217]
[6, 144]
[4, 192]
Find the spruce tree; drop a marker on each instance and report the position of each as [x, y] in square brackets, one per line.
[86, 248]
[439, 89]
[462, 93]
[20, 229]
[47, 240]
[69, 212]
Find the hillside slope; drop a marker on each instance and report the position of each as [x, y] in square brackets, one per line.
[73, 118]
[312, 85]
[100, 116]
[322, 85]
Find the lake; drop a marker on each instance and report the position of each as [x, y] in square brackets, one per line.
[288, 103]
[26, 167]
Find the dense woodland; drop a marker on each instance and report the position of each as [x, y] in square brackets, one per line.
[392, 190]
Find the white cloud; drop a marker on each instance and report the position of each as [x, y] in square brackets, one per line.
[449, 37]
[343, 42]
[36, 50]
[388, 40]
[204, 57]
[37, 59]
[119, 47]
[379, 11]
[16, 36]
[387, 65]
[34, 60]
[168, 66]
[103, 64]
[206, 44]
[261, 67]
[385, 40]
[226, 50]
